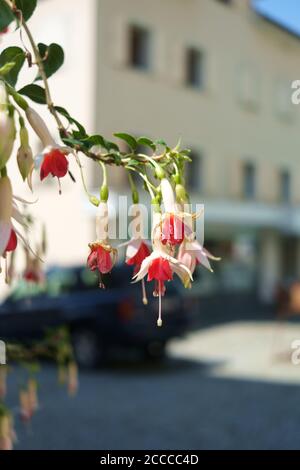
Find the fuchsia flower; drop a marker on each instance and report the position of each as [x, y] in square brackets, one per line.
[54, 163]
[192, 253]
[53, 158]
[174, 228]
[102, 256]
[160, 267]
[137, 251]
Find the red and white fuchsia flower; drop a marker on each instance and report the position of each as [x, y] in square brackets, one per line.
[137, 249]
[160, 267]
[52, 160]
[9, 215]
[102, 256]
[174, 226]
[192, 253]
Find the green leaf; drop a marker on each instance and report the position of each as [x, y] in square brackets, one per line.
[95, 140]
[133, 163]
[111, 146]
[71, 142]
[6, 16]
[34, 92]
[161, 142]
[146, 142]
[53, 58]
[27, 7]
[7, 68]
[71, 120]
[129, 139]
[99, 140]
[16, 55]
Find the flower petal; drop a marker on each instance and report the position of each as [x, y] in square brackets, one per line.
[5, 231]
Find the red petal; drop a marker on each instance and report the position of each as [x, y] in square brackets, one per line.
[172, 230]
[92, 261]
[12, 242]
[140, 255]
[160, 270]
[54, 162]
[46, 167]
[104, 260]
[59, 163]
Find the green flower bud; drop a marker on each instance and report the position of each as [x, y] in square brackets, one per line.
[7, 136]
[94, 200]
[24, 155]
[180, 191]
[25, 161]
[159, 172]
[176, 178]
[104, 193]
[135, 196]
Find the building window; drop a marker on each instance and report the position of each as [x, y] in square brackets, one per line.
[249, 181]
[194, 68]
[194, 172]
[285, 186]
[139, 47]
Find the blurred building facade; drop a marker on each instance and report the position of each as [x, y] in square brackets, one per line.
[215, 73]
[219, 75]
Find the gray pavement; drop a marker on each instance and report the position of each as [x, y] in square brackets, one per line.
[231, 386]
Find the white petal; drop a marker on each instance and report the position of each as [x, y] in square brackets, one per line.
[145, 266]
[202, 258]
[167, 195]
[133, 247]
[5, 230]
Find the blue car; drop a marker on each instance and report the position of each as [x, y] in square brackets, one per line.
[100, 321]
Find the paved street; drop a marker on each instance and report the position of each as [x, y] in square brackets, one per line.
[231, 386]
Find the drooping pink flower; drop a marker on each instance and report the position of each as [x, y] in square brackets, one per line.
[174, 227]
[54, 163]
[137, 251]
[102, 255]
[192, 253]
[160, 267]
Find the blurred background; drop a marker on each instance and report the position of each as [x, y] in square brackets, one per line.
[218, 73]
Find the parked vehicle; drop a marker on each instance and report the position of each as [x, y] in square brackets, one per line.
[99, 320]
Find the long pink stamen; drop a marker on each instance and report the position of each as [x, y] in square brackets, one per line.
[145, 300]
[159, 320]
